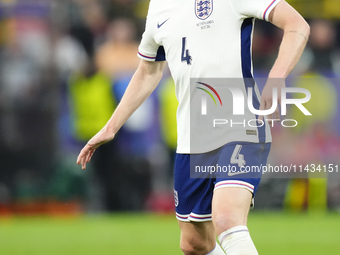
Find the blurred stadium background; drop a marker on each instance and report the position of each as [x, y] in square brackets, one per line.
[64, 65]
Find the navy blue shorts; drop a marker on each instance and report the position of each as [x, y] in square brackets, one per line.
[236, 164]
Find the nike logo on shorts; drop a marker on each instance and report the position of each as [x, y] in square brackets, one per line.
[159, 25]
[236, 173]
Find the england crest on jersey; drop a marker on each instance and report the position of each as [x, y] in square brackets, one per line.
[203, 8]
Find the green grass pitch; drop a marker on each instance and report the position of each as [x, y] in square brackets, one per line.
[130, 233]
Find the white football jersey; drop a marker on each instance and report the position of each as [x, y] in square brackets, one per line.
[205, 39]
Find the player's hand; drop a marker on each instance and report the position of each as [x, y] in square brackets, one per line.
[85, 155]
[267, 98]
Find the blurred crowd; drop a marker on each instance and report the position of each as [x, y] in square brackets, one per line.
[64, 66]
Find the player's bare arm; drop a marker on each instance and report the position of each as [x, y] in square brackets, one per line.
[296, 33]
[142, 84]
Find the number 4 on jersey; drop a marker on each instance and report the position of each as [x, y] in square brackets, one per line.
[185, 56]
[237, 158]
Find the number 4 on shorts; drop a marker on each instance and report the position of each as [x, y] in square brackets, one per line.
[237, 158]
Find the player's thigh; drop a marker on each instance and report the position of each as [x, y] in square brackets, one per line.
[235, 189]
[198, 236]
[230, 207]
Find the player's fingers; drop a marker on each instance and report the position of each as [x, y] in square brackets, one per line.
[82, 154]
[85, 155]
[277, 113]
[82, 158]
[262, 107]
[278, 100]
[89, 156]
[83, 162]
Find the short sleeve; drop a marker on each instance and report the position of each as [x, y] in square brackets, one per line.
[148, 49]
[254, 8]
